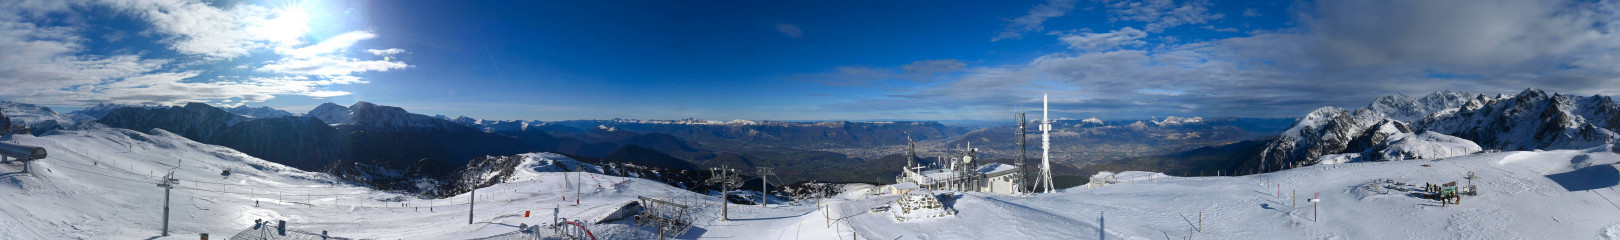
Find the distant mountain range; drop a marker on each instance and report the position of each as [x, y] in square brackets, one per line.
[1400, 127]
[371, 141]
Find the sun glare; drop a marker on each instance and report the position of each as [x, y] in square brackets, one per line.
[288, 24]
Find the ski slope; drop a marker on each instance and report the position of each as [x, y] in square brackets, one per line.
[101, 184]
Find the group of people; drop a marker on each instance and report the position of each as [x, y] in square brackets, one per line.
[1445, 193]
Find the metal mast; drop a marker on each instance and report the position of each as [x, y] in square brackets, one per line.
[725, 177]
[1046, 147]
[168, 183]
[764, 195]
[1023, 161]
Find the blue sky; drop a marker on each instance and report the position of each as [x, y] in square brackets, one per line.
[799, 60]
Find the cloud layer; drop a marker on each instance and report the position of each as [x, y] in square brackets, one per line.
[1339, 55]
[46, 58]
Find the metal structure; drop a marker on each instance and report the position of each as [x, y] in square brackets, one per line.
[168, 183]
[23, 153]
[726, 178]
[670, 218]
[568, 229]
[1018, 129]
[1046, 150]
[764, 186]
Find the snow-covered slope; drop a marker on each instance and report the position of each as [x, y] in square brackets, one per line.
[100, 184]
[1425, 145]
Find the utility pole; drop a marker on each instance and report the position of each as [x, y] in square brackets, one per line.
[764, 186]
[725, 177]
[168, 184]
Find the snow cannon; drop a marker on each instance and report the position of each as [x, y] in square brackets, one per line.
[23, 153]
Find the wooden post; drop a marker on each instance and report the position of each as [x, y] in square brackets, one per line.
[1200, 221]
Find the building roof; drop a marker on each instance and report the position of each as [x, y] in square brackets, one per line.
[904, 185]
[996, 169]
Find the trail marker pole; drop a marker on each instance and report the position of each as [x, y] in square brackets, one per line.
[1200, 221]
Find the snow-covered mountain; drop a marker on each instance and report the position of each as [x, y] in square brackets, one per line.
[1444, 124]
[258, 112]
[100, 110]
[376, 117]
[39, 119]
[502, 127]
[302, 142]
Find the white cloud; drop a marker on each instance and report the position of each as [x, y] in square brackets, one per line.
[1250, 12]
[329, 66]
[326, 59]
[1336, 57]
[1162, 14]
[330, 45]
[1103, 41]
[1213, 28]
[790, 30]
[386, 52]
[918, 71]
[194, 27]
[43, 58]
[1032, 22]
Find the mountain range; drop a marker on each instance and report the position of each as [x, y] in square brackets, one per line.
[1442, 124]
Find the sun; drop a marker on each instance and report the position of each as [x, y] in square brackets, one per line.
[287, 24]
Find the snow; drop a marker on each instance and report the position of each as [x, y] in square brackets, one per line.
[1173, 120]
[258, 112]
[995, 168]
[98, 184]
[40, 118]
[1426, 145]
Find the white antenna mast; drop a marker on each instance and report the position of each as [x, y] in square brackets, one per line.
[1046, 148]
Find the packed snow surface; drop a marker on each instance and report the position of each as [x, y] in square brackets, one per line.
[100, 184]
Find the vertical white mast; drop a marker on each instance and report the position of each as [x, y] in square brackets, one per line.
[1046, 148]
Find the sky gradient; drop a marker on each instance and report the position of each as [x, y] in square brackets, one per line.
[800, 60]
